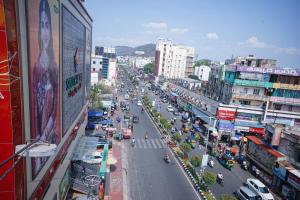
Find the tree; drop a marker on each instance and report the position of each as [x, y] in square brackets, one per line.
[196, 161]
[95, 99]
[186, 148]
[202, 62]
[177, 137]
[149, 68]
[194, 77]
[227, 197]
[209, 178]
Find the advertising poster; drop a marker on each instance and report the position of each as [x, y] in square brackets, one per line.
[43, 43]
[73, 53]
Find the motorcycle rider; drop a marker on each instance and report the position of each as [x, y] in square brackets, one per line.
[146, 136]
[220, 177]
[133, 141]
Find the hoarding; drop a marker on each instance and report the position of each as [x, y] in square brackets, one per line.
[226, 114]
[43, 42]
[280, 71]
[73, 33]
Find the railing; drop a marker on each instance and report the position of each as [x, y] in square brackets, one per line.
[249, 96]
[253, 83]
[286, 86]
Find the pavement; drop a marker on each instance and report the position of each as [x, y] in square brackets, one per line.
[116, 177]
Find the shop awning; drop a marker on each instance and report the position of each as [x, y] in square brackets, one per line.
[198, 128]
[248, 124]
[236, 138]
[174, 94]
[95, 113]
[107, 121]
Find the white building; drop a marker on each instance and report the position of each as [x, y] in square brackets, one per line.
[173, 61]
[96, 63]
[202, 72]
[139, 62]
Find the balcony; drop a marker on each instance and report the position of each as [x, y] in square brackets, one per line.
[286, 86]
[249, 97]
[252, 83]
[285, 100]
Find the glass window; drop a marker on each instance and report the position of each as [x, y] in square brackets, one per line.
[94, 62]
[256, 91]
[263, 190]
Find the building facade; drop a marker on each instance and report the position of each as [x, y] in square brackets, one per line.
[45, 83]
[202, 72]
[173, 61]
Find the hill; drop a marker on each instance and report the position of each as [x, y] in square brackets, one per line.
[149, 50]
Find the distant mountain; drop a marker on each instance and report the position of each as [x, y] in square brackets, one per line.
[149, 50]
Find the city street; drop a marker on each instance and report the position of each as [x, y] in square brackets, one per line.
[232, 179]
[148, 175]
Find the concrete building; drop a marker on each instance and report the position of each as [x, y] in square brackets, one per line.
[173, 61]
[39, 104]
[202, 72]
[139, 62]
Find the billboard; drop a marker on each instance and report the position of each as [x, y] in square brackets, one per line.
[73, 53]
[226, 114]
[43, 42]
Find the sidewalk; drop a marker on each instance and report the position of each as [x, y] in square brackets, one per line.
[116, 179]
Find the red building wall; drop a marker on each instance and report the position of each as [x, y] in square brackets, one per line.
[11, 126]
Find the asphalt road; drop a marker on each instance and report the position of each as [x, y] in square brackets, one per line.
[232, 179]
[148, 176]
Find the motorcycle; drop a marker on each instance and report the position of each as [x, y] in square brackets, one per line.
[167, 159]
[220, 179]
[245, 166]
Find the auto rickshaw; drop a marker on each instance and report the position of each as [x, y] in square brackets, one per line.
[185, 128]
[226, 160]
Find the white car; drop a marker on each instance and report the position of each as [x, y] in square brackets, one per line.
[170, 108]
[95, 158]
[139, 103]
[259, 188]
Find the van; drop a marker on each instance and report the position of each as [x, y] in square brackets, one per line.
[258, 187]
[244, 193]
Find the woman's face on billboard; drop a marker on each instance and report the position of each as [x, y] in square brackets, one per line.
[45, 30]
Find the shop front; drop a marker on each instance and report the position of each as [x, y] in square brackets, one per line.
[249, 128]
[225, 129]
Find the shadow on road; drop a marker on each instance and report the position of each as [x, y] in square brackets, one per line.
[112, 168]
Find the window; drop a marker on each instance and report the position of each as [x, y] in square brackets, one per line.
[244, 102]
[94, 69]
[94, 62]
[290, 107]
[246, 90]
[256, 91]
[100, 62]
[277, 106]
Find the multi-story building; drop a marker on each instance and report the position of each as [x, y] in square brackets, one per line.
[42, 97]
[139, 62]
[202, 72]
[104, 65]
[173, 61]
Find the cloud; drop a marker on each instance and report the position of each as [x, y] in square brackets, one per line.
[179, 30]
[212, 36]
[155, 25]
[256, 43]
[291, 51]
[107, 40]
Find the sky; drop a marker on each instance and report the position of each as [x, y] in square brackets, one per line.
[217, 29]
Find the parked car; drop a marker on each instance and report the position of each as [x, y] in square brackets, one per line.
[244, 193]
[170, 108]
[259, 188]
[135, 119]
[95, 158]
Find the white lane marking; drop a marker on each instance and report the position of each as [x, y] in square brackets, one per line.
[153, 143]
[158, 143]
[144, 144]
[139, 143]
[148, 144]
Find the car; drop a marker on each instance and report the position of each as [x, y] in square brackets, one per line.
[126, 96]
[170, 108]
[94, 158]
[164, 100]
[176, 113]
[244, 193]
[139, 103]
[102, 142]
[259, 188]
[135, 119]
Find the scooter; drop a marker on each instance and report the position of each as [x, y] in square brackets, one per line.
[167, 159]
[245, 166]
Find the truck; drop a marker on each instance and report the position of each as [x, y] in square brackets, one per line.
[126, 133]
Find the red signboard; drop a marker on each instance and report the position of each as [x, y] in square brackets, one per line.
[257, 130]
[226, 114]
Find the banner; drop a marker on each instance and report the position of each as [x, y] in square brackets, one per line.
[43, 42]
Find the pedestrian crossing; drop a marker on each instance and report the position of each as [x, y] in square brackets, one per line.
[154, 143]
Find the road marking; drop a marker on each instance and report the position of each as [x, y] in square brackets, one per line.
[148, 144]
[139, 143]
[158, 143]
[144, 144]
[153, 143]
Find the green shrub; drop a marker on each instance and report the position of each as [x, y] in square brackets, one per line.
[196, 161]
[227, 197]
[209, 178]
[177, 137]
